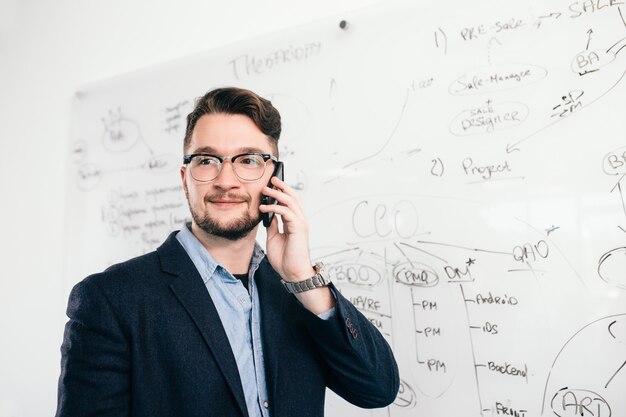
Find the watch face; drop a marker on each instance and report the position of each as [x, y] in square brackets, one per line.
[321, 273]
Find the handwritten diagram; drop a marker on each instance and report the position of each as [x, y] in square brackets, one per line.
[409, 280]
[567, 393]
[463, 178]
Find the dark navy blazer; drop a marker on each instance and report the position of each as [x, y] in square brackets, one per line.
[144, 339]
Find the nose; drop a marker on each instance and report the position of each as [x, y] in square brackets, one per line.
[227, 179]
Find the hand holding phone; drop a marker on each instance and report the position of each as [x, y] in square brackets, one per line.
[267, 217]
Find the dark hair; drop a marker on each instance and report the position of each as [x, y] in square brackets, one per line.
[234, 100]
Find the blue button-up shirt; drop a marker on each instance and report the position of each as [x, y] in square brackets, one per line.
[240, 314]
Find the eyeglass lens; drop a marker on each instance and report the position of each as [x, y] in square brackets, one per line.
[248, 167]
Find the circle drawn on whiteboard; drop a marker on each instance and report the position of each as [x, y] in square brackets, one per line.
[355, 273]
[415, 274]
[495, 78]
[294, 114]
[574, 402]
[120, 133]
[611, 267]
[79, 151]
[614, 163]
[406, 397]
[590, 61]
[489, 119]
[88, 176]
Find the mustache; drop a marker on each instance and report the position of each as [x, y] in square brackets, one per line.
[227, 196]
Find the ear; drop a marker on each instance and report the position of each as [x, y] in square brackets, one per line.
[183, 177]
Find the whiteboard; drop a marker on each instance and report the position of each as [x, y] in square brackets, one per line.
[462, 166]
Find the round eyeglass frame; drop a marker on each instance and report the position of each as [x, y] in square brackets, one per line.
[187, 159]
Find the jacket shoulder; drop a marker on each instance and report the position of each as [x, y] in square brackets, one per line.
[141, 271]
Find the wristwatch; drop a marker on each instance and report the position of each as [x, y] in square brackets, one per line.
[320, 279]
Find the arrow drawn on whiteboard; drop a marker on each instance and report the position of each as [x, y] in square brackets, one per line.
[552, 229]
[491, 41]
[404, 254]
[616, 372]
[421, 250]
[333, 87]
[464, 247]
[340, 252]
[393, 132]
[618, 43]
[554, 15]
[621, 195]
[513, 147]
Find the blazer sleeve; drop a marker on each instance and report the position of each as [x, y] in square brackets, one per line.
[362, 367]
[94, 377]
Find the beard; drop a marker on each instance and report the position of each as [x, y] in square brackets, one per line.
[234, 230]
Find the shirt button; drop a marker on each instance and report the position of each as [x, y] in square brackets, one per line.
[266, 404]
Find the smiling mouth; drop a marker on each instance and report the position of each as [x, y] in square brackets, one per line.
[227, 201]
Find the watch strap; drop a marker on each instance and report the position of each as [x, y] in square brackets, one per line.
[319, 280]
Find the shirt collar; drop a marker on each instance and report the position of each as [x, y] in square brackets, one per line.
[204, 261]
[257, 257]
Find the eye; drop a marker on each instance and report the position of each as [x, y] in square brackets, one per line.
[205, 160]
[250, 161]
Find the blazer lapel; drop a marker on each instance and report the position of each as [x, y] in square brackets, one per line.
[193, 295]
[271, 299]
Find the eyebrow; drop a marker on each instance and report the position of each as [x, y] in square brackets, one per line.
[213, 151]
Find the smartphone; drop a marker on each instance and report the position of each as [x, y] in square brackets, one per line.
[267, 217]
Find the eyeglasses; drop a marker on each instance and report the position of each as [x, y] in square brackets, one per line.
[249, 166]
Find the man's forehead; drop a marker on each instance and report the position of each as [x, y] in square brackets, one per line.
[215, 150]
[220, 133]
[228, 147]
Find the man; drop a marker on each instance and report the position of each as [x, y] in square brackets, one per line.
[207, 325]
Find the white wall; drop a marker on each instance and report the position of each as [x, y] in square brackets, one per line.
[47, 50]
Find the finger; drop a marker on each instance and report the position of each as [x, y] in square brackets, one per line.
[291, 221]
[285, 212]
[283, 199]
[285, 188]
